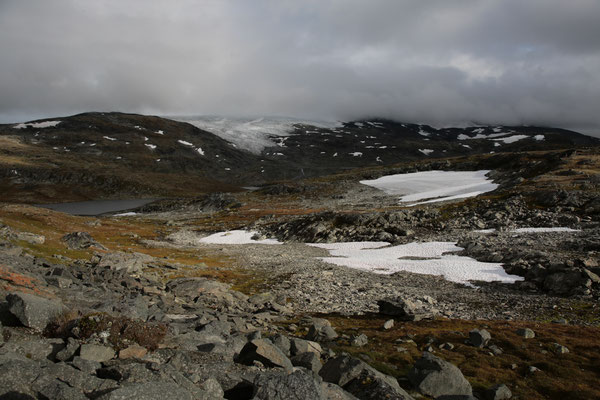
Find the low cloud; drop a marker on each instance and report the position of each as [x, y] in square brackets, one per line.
[437, 62]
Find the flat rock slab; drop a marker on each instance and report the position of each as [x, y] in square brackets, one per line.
[95, 352]
[33, 311]
[267, 353]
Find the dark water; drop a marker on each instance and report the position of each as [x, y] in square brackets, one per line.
[96, 207]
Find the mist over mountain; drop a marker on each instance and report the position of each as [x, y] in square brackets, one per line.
[437, 63]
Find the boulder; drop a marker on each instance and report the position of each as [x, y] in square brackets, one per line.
[403, 309]
[389, 324]
[281, 386]
[149, 391]
[80, 241]
[435, 377]
[526, 333]
[34, 311]
[479, 337]
[360, 340]
[283, 343]
[334, 392]
[353, 375]
[299, 346]
[367, 386]
[130, 262]
[96, 352]
[310, 361]
[264, 351]
[497, 392]
[320, 330]
[559, 348]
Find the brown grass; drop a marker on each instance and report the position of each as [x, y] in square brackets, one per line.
[568, 376]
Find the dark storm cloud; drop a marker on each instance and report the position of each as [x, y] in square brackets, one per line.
[439, 62]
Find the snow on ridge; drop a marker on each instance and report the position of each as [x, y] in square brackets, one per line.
[434, 185]
[183, 142]
[43, 124]
[253, 135]
[512, 139]
[422, 258]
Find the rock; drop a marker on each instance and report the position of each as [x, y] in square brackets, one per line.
[95, 352]
[283, 343]
[531, 369]
[402, 309]
[368, 386]
[498, 392]
[213, 389]
[1, 333]
[190, 288]
[268, 354]
[435, 377]
[133, 351]
[280, 386]
[342, 370]
[69, 351]
[149, 391]
[80, 241]
[31, 237]
[360, 340]
[16, 378]
[526, 333]
[564, 282]
[130, 262]
[320, 330]
[389, 324]
[299, 346]
[479, 338]
[33, 311]
[559, 348]
[446, 346]
[58, 390]
[334, 392]
[309, 360]
[87, 366]
[495, 350]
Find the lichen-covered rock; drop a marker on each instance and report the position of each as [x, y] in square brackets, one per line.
[435, 377]
[34, 311]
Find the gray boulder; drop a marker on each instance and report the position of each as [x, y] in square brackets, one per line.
[497, 392]
[360, 340]
[34, 311]
[149, 391]
[310, 361]
[320, 330]
[479, 337]
[264, 351]
[80, 240]
[281, 386]
[404, 310]
[299, 346]
[130, 262]
[283, 343]
[367, 386]
[360, 379]
[435, 377]
[334, 392]
[526, 333]
[95, 352]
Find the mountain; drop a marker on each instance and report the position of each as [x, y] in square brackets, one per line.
[115, 155]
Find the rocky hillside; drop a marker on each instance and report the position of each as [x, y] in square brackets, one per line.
[115, 155]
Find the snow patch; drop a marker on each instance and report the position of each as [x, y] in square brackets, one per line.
[125, 214]
[512, 139]
[356, 154]
[200, 151]
[545, 230]
[539, 137]
[425, 151]
[422, 258]
[43, 124]
[150, 146]
[236, 237]
[160, 132]
[183, 142]
[112, 139]
[434, 185]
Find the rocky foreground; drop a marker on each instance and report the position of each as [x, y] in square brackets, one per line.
[137, 307]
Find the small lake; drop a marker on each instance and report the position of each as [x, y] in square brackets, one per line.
[96, 207]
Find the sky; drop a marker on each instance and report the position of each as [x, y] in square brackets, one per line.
[441, 62]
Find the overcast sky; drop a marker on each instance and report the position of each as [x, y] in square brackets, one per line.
[443, 62]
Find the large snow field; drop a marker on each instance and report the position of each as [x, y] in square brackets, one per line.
[434, 185]
[253, 135]
[421, 258]
[236, 237]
